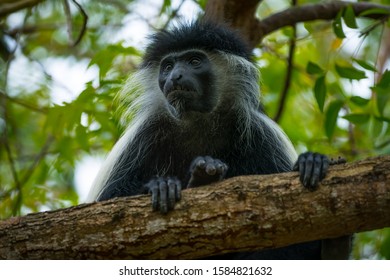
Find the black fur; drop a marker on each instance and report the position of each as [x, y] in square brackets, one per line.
[172, 147]
[196, 35]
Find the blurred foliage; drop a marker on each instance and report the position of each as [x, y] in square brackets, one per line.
[339, 91]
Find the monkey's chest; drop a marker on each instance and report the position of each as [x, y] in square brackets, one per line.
[173, 151]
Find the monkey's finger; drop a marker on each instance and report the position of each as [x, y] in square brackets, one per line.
[308, 170]
[178, 189]
[219, 166]
[325, 166]
[302, 169]
[300, 166]
[171, 193]
[220, 169]
[296, 166]
[317, 166]
[200, 162]
[225, 167]
[163, 190]
[153, 190]
[211, 169]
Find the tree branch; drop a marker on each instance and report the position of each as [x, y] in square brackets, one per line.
[242, 15]
[10, 6]
[242, 213]
[311, 12]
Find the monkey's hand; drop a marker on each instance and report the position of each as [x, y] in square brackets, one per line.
[165, 193]
[312, 168]
[206, 170]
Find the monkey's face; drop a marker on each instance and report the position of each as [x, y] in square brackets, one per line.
[186, 79]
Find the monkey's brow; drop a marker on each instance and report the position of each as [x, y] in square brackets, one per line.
[183, 55]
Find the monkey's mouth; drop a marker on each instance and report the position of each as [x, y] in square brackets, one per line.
[179, 90]
[180, 95]
[180, 98]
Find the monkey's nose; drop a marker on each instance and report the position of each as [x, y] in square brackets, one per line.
[176, 74]
[177, 77]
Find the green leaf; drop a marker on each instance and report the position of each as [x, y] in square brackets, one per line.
[349, 72]
[331, 116]
[55, 123]
[375, 11]
[65, 146]
[338, 26]
[82, 137]
[313, 68]
[360, 101]
[376, 130]
[349, 18]
[384, 83]
[382, 99]
[357, 118]
[42, 173]
[383, 119]
[366, 65]
[385, 246]
[382, 89]
[202, 3]
[320, 92]
[104, 58]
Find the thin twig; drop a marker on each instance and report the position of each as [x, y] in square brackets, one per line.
[23, 104]
[173, 14]
[69, 23]
[85, 22]
[37, 159]
[7, 147]
[290, 67]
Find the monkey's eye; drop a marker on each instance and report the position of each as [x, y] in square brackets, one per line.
[195, 61]
[167, 67]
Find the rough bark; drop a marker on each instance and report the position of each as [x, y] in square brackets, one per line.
[242, 213]
[238, 14]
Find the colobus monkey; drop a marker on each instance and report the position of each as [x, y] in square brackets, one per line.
[198, 120]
